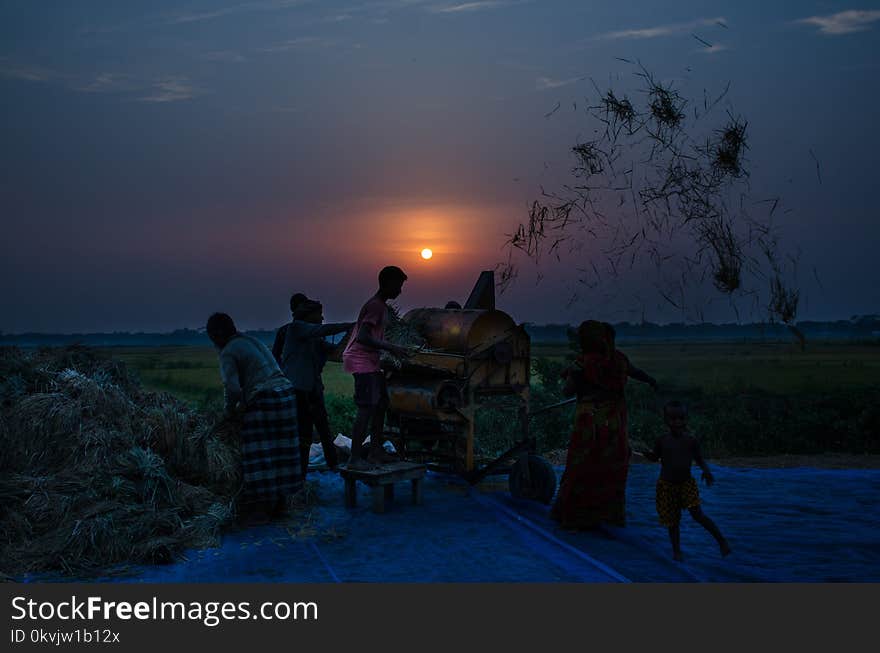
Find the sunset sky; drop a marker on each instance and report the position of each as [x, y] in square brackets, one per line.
[164, 160]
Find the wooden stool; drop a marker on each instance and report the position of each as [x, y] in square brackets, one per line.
[382, 482]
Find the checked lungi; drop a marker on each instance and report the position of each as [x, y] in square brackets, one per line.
[270, 457]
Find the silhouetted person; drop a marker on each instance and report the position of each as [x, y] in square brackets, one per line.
[361, 359]
[676, 488]
[278, 346]
[256, 390]
[452, 304]
[303, 355]
[593, 486]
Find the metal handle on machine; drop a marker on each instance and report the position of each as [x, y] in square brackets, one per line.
[558, 404]
[485, 346]
[517, 450]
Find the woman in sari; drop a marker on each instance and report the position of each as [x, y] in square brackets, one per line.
[593, 486]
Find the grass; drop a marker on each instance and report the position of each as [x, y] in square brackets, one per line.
[745, 398]
[729, 367]
[193, 374]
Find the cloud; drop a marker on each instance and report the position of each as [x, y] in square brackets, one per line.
[108, 83]
[391, 5]
[171, 89]
[246, 7]
[301, 42]
[194, 18]
[543, 83]
[659, 30]
[160, 90]
[474, 6]
[229, 56]
[712, 49]
[844, 22]
[163, 89]
[337, 18]
[26, 72]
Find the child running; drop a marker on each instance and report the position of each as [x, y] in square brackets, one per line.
[676, 488]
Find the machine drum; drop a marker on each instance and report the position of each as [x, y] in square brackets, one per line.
[502, 353]
[449, 397]
[540, 484]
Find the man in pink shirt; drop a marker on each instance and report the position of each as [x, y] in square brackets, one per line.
[361, 359]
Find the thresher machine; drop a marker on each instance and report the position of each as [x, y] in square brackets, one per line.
[471, 357]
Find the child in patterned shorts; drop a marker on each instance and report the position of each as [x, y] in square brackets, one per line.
[676, 488]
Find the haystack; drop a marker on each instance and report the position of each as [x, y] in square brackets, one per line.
[95, 471]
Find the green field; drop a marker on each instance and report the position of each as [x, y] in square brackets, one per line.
[745, 398]
[729, 367]
[193, 374]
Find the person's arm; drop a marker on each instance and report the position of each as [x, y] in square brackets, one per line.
[309, 330]
[640, 375]
[278, 345]
[365, 337]
[376, 312]
[232, 392]
[654, 455]
[698, 458]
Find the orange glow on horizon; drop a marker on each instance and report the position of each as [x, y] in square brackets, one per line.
[462, 238]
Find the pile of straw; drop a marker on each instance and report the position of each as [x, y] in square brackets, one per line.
[94, 471]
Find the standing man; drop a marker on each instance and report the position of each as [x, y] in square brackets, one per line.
[303, 355]
[278, 346]
[256, 389]
[361, 359]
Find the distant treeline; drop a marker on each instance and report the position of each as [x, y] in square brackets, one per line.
[863, 328]
[181, 337]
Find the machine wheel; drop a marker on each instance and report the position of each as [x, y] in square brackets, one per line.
[540, 484]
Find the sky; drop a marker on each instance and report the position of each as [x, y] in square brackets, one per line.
[164, 160]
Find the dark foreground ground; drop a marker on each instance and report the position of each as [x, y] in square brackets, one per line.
[785, 525]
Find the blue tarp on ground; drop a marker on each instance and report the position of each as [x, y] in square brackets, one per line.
[784, 525]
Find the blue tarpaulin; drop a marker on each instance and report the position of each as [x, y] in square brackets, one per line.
[785, 525]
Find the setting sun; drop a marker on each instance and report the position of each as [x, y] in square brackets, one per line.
[427, 253]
